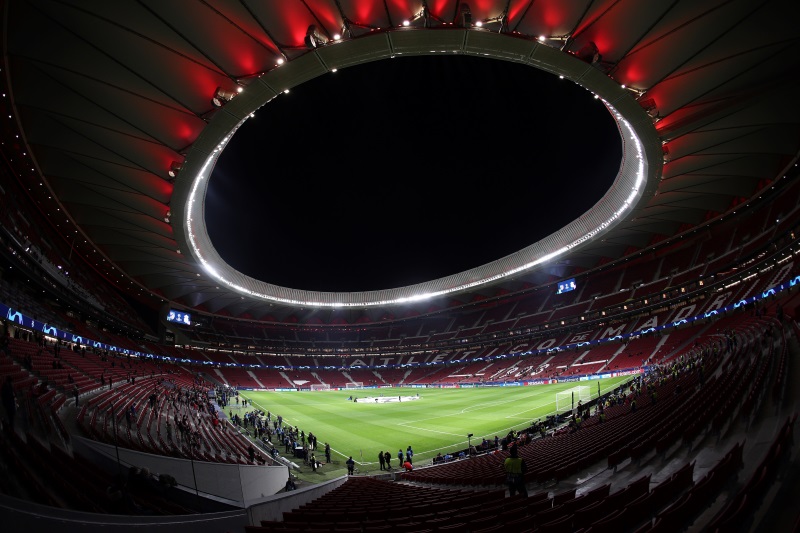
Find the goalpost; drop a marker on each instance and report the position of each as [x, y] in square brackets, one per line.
[320, 386]
[354, 385]
[567, 400]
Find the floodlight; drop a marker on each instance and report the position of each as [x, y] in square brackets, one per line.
[222, 97]
[314, 38]
[174, 168]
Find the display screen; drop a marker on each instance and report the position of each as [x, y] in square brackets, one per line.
[179, 317]
[566, 286]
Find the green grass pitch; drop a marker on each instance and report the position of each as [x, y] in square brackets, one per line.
[439, 421]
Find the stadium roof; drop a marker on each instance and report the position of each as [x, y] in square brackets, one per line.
[110, 96]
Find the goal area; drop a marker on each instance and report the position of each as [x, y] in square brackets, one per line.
[320, 386]
[354, 385]
[567, 400]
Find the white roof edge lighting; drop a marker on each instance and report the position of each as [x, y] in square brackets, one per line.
[635, 173]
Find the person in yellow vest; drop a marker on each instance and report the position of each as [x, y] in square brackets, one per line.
[515, 468]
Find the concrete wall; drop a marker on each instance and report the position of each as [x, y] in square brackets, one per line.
[239, 485]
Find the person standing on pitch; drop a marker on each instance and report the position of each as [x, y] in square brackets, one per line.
[388, 458]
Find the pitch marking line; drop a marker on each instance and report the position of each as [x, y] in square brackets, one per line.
[407, 425]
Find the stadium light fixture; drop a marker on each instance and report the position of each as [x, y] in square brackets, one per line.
[222, 97]
[174, 168]
[590, 53]
[314, 38]
[650, 107]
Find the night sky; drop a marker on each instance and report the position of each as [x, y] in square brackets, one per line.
[406, 170]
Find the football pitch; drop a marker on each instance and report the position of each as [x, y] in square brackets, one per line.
[439, 420]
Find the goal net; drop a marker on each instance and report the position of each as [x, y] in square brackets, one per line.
[355, 385]
[320, 386]
[567, 400]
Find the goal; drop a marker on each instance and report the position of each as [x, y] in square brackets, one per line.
[354, 385]
[565, 398]
[320, 386]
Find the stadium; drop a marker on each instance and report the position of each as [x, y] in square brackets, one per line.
[640, 358]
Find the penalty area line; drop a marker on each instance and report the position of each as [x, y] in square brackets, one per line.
[405, 425]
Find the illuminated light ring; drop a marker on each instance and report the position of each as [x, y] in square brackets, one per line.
[627, 190]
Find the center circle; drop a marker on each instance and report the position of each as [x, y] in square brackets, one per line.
[401, 171]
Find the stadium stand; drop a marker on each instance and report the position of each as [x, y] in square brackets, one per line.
[629, 457]
[709, 446]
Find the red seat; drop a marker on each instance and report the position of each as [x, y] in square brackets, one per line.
[497, 528]
[560, 525]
